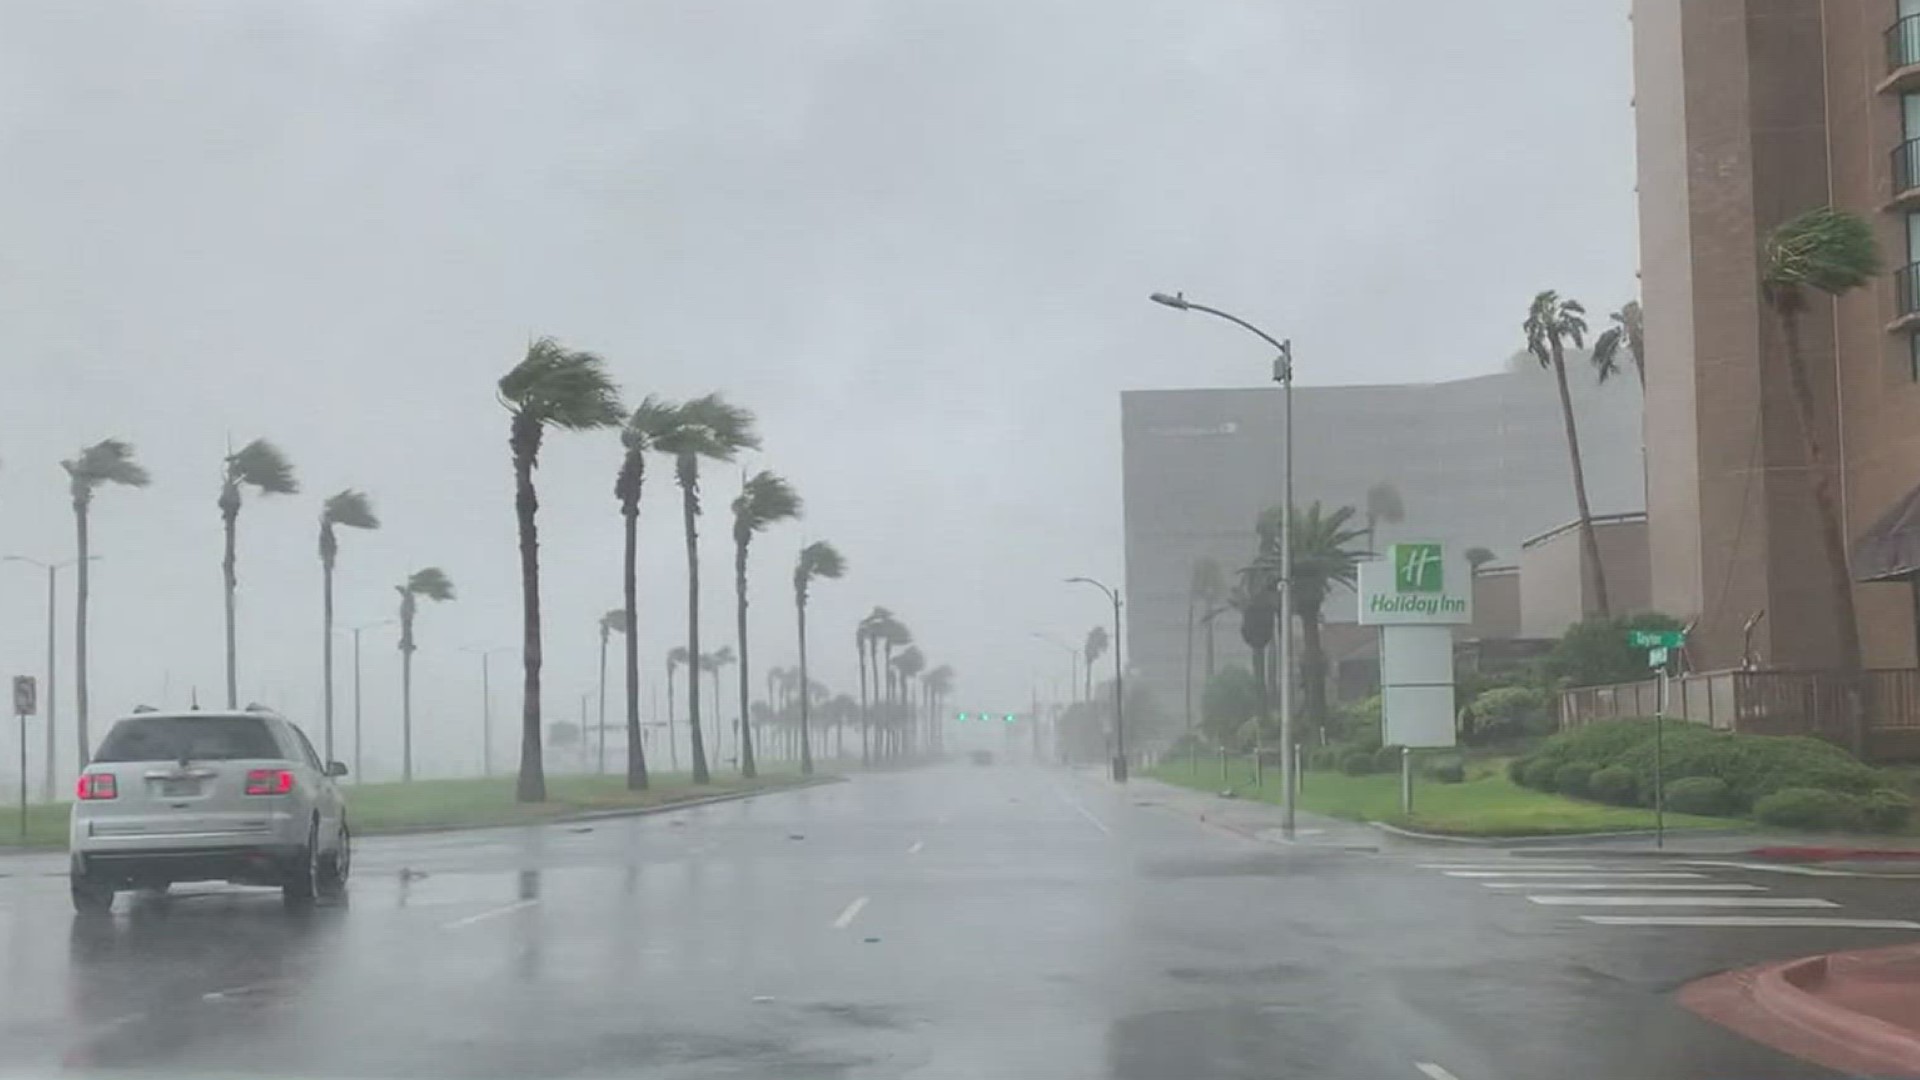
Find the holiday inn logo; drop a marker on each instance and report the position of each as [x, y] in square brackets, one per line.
[1416, 568]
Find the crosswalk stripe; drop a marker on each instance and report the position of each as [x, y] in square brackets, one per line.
[1507, 866]
[1667, 874]
[1668, 886]
[1807, 921]
[1685, 901]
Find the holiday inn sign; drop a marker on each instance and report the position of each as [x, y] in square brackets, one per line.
[1411, 584]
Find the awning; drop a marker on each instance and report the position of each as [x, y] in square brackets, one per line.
[1890, 548]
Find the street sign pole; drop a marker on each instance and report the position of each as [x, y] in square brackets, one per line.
[1659, 782]
[24, 705]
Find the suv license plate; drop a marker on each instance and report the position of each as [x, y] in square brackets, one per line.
[176, 788]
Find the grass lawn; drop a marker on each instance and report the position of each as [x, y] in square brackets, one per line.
[1487, 804]
[466, 803]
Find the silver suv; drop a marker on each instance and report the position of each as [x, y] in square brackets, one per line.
[208, 796]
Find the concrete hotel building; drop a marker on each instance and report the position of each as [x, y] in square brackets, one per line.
[1749, 112]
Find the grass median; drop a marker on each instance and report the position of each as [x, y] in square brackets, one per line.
[1486, 804]
[448, 804]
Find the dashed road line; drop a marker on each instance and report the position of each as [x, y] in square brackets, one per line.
[1434, 1072]
[851, 912]
[917, 845]
[490, 913]
[1802, 921]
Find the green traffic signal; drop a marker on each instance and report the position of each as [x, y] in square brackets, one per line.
[1010, 718]
[963, 718]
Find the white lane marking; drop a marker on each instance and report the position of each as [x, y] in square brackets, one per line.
[1668, 886]
[917, 845]
[1637, 874]
[1434, 1072]
[1779, 868]
[490, 913]
[1808, 921]
[1097, 823]
[1685, 901]
[852, 912]
[1507, 866]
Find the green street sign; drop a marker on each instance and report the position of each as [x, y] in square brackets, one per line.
[1416, 568]
[1656, 639]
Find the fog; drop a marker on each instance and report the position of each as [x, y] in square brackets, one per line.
[916, 237]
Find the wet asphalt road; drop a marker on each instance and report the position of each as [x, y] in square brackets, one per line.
[952, 922]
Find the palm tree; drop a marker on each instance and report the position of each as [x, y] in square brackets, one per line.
[867, 640]
[432, 583]
[354, 510]
[765, 498]
[1383, 504]
[262, 466]
[613, 622]
[712, 663]
[1095, 648]
[556, 387]
[840, 709]
[676, 659]
[1478, 557]
[1322, 559]
[1829, 251]
[711, 428]
[890, 634]
[906, 666]
[108, 461]
[817, 560]
[862, 641]
[1257, 599]
[1203, 585]
[1628, 331]
[939, 683]
[636, 440]
[1552, 322]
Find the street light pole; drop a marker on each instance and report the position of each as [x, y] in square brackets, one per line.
[358, 761]
[1282, 374]
[1073, 664]
[1119, 687]
[486, 706]
[52, 693]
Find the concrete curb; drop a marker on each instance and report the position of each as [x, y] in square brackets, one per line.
[1511, 841]
[597, 815]
[1788, 991]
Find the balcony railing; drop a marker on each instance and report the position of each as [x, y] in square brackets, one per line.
[1906, 170]
[1903, 43]
[1906, 290]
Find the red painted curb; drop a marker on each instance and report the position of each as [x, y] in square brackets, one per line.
[1829, 854]
[1780, 1005]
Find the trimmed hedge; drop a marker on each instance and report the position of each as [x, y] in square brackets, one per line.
[1572, 778]
[1356, 762]
[1447, 772]
[1614, 784]
[1810, 808]
[1539, 774]
[1698, 795]
[1751, 766]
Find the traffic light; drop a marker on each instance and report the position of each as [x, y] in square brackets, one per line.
[963, 718]
[1010, 718]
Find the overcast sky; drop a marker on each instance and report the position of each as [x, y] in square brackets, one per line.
[915, 236]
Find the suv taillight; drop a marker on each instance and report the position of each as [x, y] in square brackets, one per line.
[96, 786]
[269, 781]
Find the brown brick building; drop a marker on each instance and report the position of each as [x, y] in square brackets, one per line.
[1749, 112]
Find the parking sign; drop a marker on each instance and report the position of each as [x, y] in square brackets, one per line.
[24, 696]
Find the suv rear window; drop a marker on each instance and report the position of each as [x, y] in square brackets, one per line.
[188, 738]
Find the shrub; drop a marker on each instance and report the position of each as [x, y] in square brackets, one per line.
[1448, 772]
[1596, 651]
[1698, 795]
[1572, 778]
[1613, 784]
[1810, 808]
[1516, 767]
[1886, 810]
[1539, 774]
[1507, 712]
[1356, 762]
[1387, 759]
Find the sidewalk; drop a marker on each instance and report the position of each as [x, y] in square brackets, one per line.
[1259, 820]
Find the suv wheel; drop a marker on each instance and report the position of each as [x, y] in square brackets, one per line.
[89, 897]
[303, 877]
[334, 869]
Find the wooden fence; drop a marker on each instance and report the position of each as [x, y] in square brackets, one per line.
[1769, 703]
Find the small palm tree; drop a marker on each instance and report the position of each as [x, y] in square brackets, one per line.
[1257, 599]
[764, 500]
[108, 461]
[432, 583]
[1478, 557]
[817, 560]
[713, 663]
[261, 466]
[1552, 322]
[636, 440]
[1383, 504]
[939, 683]
[1095, 648]
[613, 622]
[676, 659]
[1323, 558]
[1627, 334]
[1821, 251]
[889, 635]
[906, 667]
[712, 429]
[1203, 588]
[345, 509]
[557, 387]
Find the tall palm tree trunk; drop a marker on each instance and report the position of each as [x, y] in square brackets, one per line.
[406, 710]
[1313, 666]
[600, 749]
[806, 744]
[866, 749]
[1189, 668]
[629, 588]
[326, 651]
[688, 511]
[1588, 538]
[673, 750]
[79, 650]
[532, 783]
[747, 770]
[1260, 677]
[1832, 532]
[230, 513]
